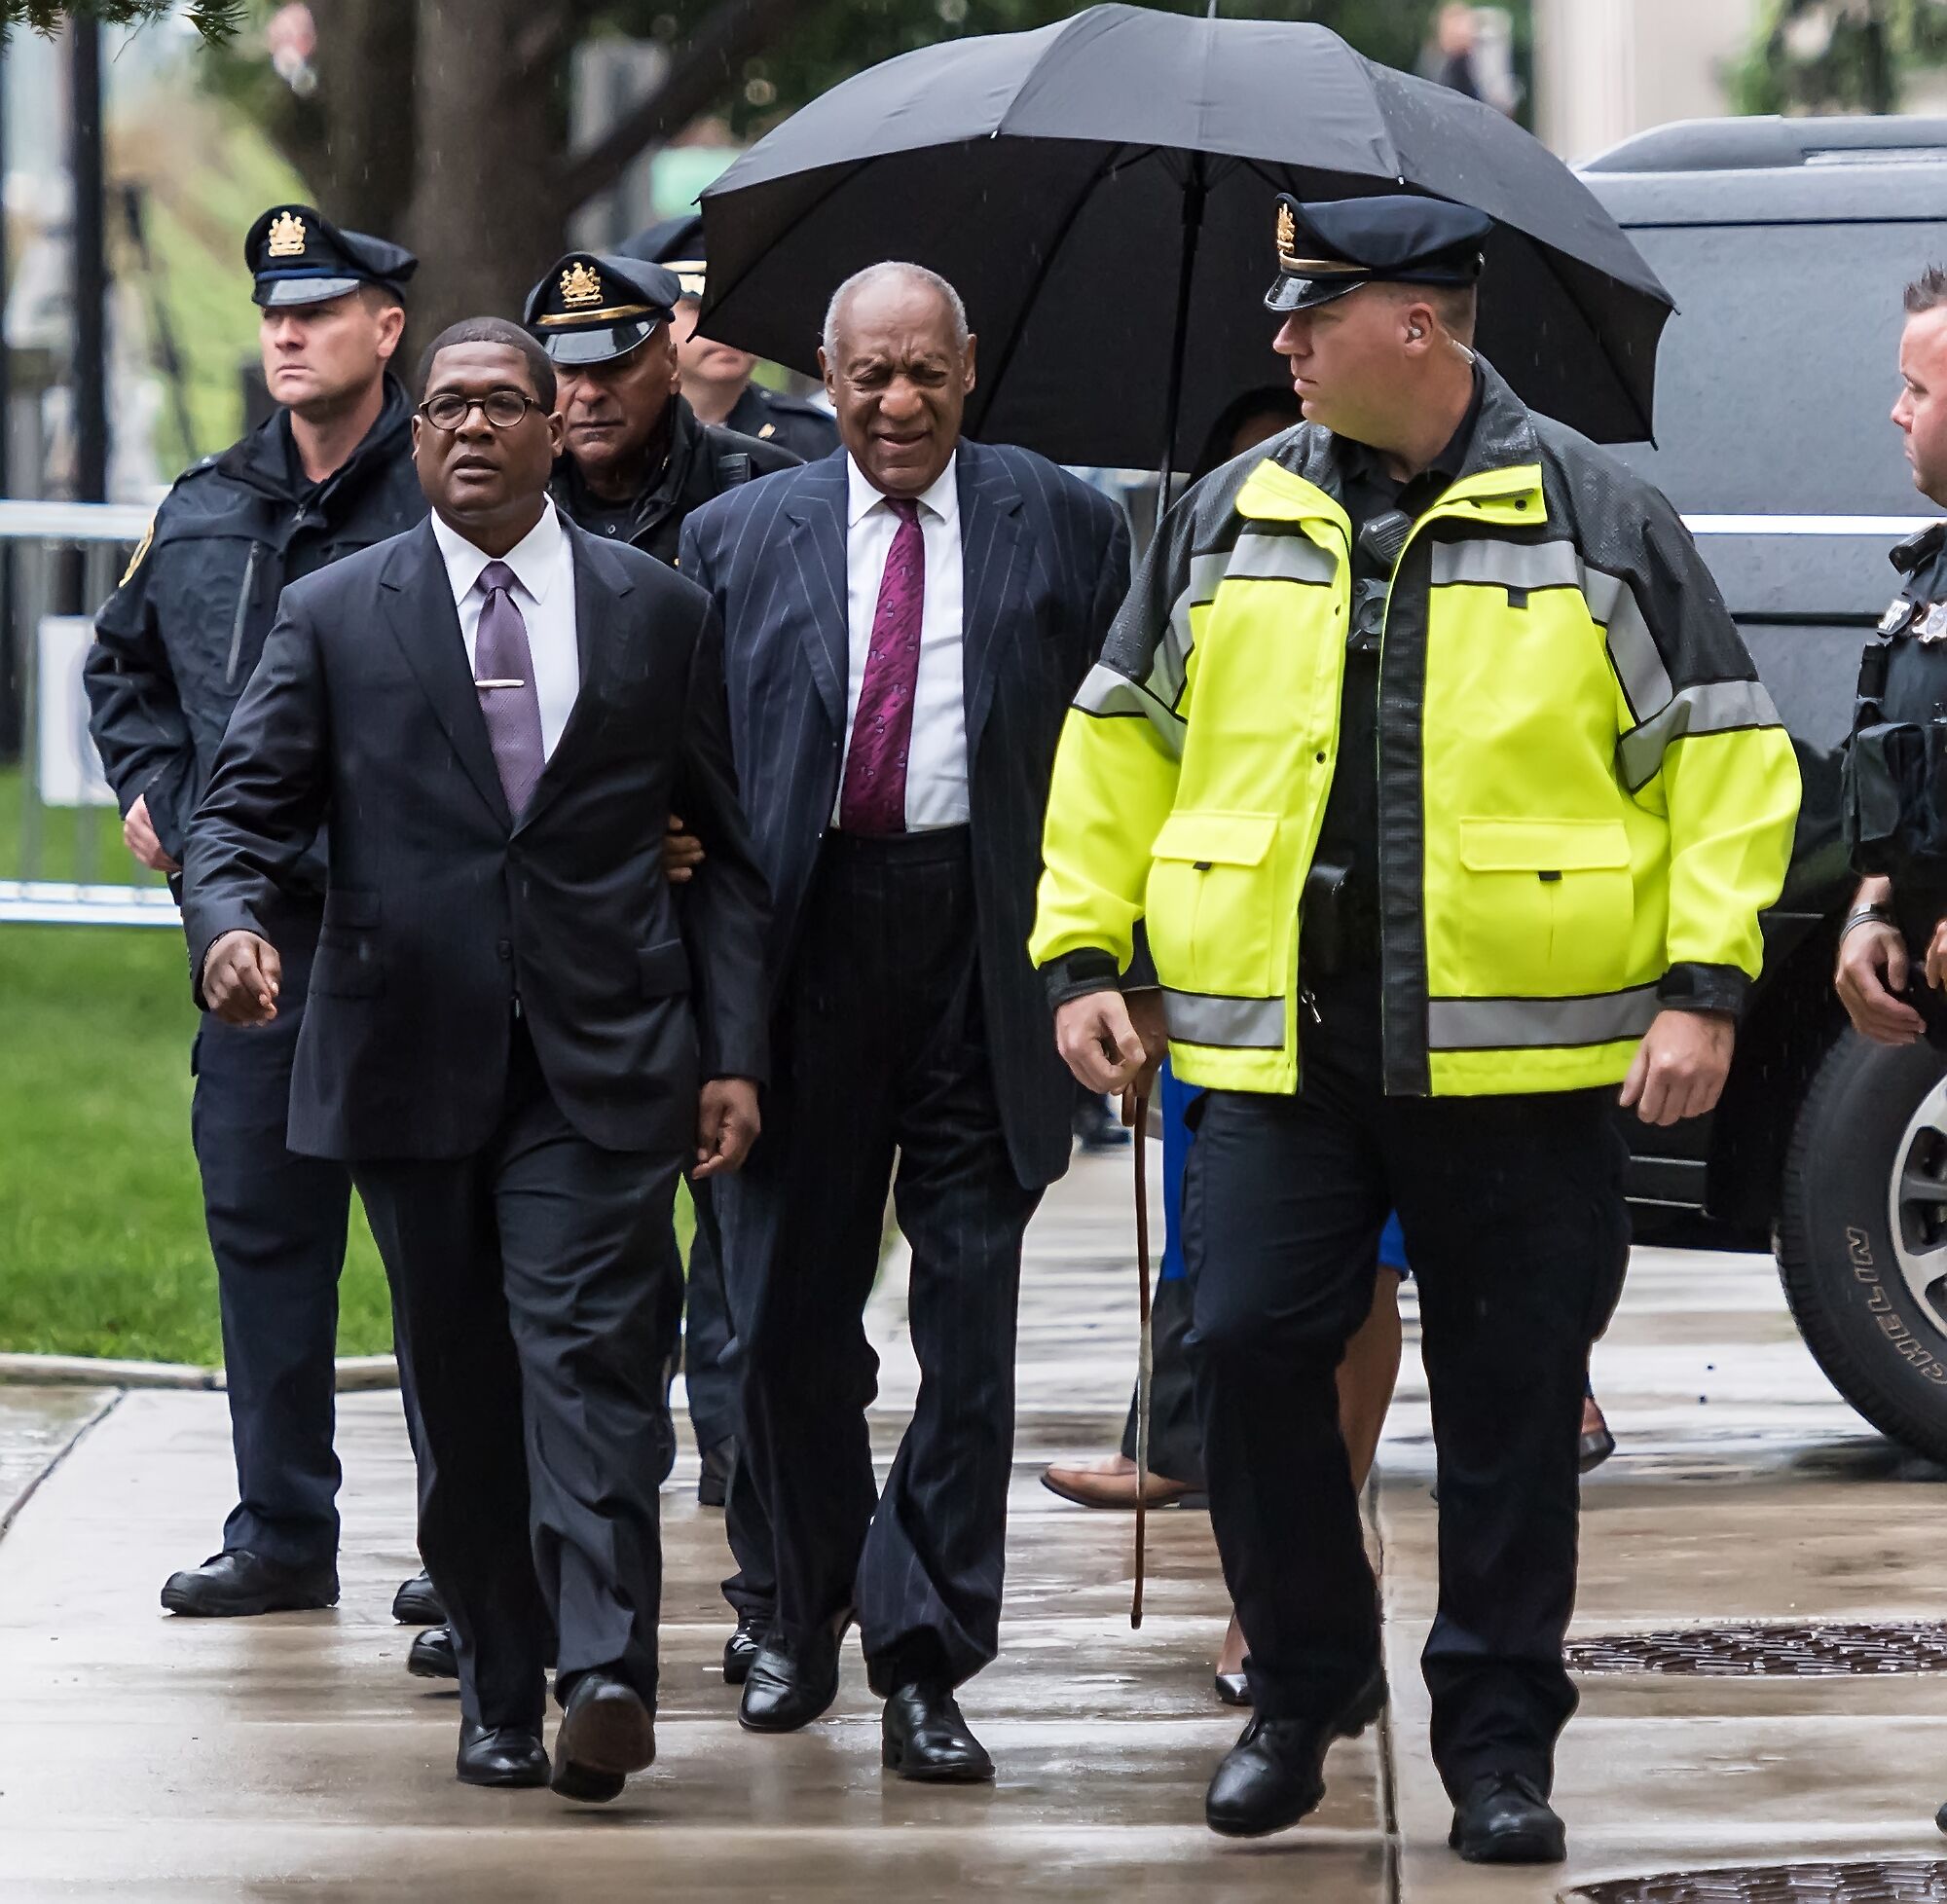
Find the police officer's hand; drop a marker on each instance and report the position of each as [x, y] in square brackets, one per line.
[1936, 957]
[1680, 1066]
[1098, 1043]
[1872, 971]
[241, 977]
[1146, 1016]
[727, 1124]
[139, 835]
[683, 853]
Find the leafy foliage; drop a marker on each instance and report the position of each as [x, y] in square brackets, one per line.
[214, 20]
[1838, 55]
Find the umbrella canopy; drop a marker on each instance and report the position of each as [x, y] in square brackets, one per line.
[1101, 192]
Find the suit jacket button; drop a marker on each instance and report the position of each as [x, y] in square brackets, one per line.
[505, 948]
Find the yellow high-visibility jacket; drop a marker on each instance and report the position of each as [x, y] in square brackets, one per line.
[1585, 794]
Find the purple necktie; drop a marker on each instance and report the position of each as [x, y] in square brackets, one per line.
[503, 674]
[873, 799]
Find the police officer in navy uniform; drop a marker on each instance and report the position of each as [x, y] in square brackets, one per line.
[638, 462]
[175, 647]
[1893, 949]
[717, 377]
[638, 459]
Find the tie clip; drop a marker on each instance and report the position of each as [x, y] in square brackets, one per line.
[499, 683]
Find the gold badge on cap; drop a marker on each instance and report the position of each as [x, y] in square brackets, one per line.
[580, 284]
[287, 236]
[1286, 232]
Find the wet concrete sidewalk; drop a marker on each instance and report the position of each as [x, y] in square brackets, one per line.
[145, 1758]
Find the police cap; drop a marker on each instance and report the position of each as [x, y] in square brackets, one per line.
[1333, 247]
[677, 243]
[297, 256]
[593, 305]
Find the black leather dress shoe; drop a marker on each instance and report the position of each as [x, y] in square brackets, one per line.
[237, 1583]
[500, 1755]
[416, 1605]
[789, 1685]
[1504, 1820]
[712, 1485]
[431, 1656]
[1276, 1773]
[1232, 1688]
[606, 1732]
[927, 1739]
[740, 1649]
[1940, 1819]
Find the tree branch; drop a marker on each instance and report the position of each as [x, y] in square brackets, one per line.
[697, 79]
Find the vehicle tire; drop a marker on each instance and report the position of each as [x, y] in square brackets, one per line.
[1862, 1234]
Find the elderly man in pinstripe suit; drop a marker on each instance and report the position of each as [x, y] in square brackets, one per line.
[905, 621]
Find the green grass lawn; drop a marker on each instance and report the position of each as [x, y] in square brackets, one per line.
[102, 1249]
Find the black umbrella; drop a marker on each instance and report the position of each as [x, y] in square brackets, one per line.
[1100, 191]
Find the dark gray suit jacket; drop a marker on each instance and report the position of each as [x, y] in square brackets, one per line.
[1046, 567]
[441, 910]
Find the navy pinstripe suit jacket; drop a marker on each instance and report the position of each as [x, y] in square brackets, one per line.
[1045, 568]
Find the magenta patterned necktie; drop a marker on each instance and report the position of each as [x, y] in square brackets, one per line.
[503, 674]
[873, 799]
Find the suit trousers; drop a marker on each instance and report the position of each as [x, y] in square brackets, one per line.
[277, 1226]
[885, 1078]
[708, 1375]
[530, 1295]
[1515, 1223]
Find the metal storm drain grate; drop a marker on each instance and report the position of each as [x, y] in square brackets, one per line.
[1898, 1881]
[1757, 1650]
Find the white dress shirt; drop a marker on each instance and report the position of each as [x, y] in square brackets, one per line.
[543, 565]
[936, 762]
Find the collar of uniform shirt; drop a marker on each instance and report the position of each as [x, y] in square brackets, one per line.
[940, 499]
[536, 559]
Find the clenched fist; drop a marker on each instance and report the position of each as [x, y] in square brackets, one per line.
[727, 1124]
[1680, 1066]
[241, 977]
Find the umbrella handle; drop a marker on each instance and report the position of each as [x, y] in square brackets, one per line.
[1144, 1360]
[1195, 192]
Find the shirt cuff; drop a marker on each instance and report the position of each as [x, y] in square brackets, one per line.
[1705, 988]
[1075, 974]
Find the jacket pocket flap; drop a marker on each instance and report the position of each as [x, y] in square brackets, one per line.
[1543, 845]
[664, 969]
[346, 907]
[1224, 839]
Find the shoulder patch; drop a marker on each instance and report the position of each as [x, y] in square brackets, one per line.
[142, 550]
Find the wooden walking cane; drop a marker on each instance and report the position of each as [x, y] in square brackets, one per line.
[1144, 1352]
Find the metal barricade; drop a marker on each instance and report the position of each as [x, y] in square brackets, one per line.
[61, 857]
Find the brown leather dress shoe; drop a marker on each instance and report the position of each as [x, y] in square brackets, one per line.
[1112, 1483]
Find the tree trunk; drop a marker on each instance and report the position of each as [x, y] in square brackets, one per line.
[483, 218]
[361, 162]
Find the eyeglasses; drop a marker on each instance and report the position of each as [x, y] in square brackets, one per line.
[502, 408]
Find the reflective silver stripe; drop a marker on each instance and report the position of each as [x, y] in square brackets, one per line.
[1490, 563]
[1236, 1024]
[1292, 558]
[1632, 649]
[1710, 707]
[1535, 1024]
[1169, 668]
[1105, 692]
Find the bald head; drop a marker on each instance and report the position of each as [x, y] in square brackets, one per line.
[895, 280]
[899, 363]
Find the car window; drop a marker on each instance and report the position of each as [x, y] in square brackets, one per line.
[1775, 376]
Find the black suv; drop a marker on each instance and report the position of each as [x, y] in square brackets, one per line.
[1785, 244]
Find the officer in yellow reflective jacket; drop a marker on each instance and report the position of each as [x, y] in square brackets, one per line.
[1447, 796]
